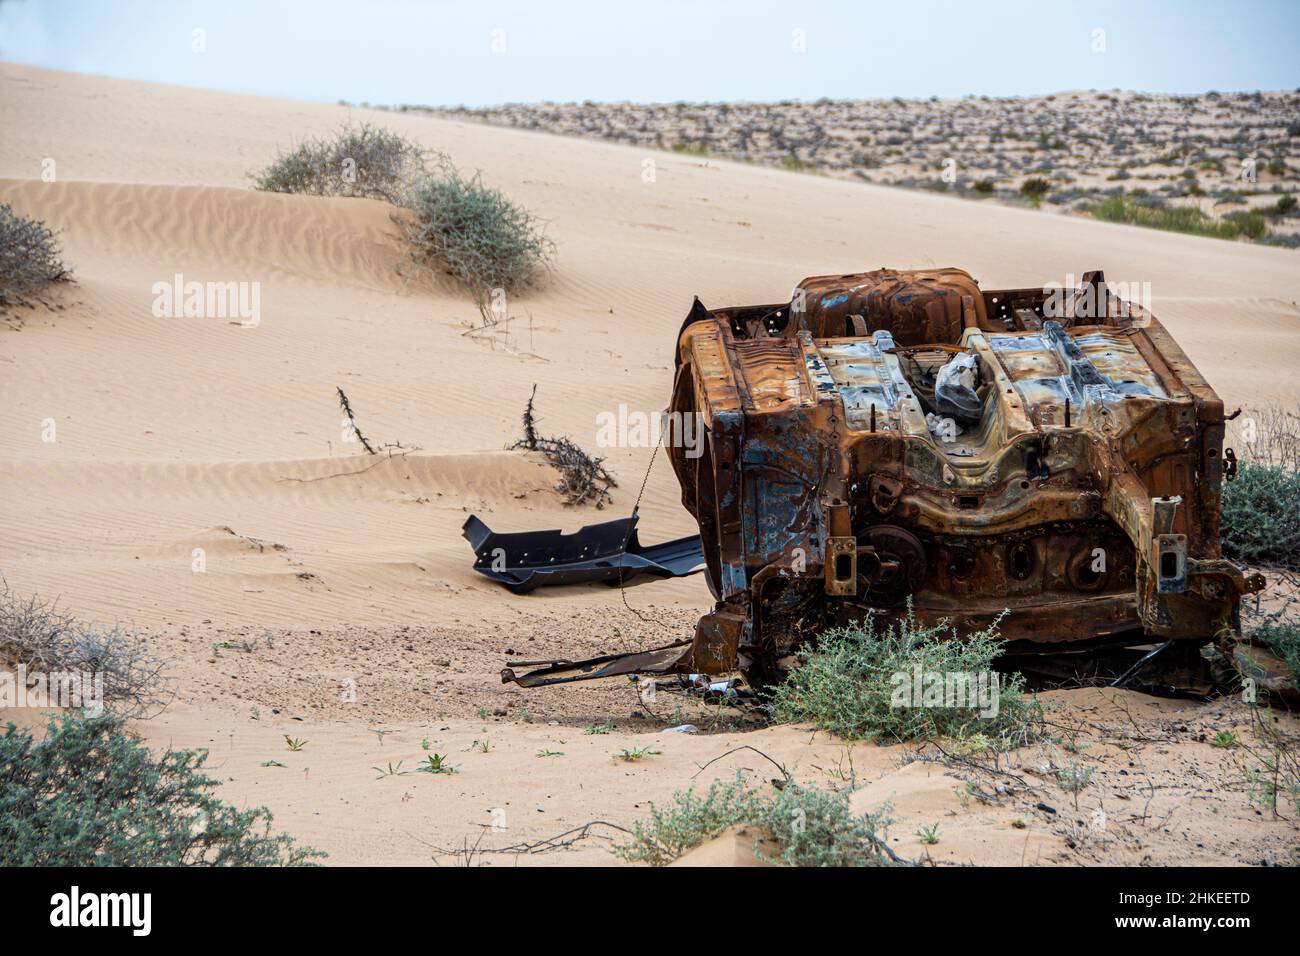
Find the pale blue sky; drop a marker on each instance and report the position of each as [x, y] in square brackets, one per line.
[437, 53]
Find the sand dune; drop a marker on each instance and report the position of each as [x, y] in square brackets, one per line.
[174, 435]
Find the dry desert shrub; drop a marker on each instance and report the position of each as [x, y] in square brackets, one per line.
[29, 259]
[485, 239]
[583, 478]
[365, 161]
[36, 634]
[473, 231]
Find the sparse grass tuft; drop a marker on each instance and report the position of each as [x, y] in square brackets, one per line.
[1190, 219]
[633, 754]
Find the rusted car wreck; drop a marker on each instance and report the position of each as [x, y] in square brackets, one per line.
[900, 438]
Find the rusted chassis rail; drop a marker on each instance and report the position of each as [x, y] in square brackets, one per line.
[1092, 524]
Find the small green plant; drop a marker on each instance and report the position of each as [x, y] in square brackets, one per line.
[634, 754]
[1074, 779]
[481, 711]
[1035, 187]
[272, 763]
[606, 726]
[1224, 739]
[389, 770]
[424, 743]
[436, 763]
[1285, 206]
[550, 753]
[482, 746]
[294, 743]
[929, 834]
[89, 794]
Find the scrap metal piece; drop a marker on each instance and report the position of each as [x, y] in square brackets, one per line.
[661, 660]
[610, 551]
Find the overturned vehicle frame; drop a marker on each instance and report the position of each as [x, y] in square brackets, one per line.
[901, 439]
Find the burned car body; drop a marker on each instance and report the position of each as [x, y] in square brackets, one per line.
[900, 439]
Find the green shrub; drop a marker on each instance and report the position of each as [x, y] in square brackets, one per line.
[688, 822]
[1187, 219]
[1283, 207]
[88, 794]
[813, 827]
[846, 683]
[1260, 524]
[1035, 186]
[485, 239]
[365, 161]
[816, 827]
[29, 259]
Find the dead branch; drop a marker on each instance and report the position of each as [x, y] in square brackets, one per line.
[352, 422]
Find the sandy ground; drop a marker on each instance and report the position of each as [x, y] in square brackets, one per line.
[339, 584]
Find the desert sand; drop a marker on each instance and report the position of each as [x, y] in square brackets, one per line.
[325, 568]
